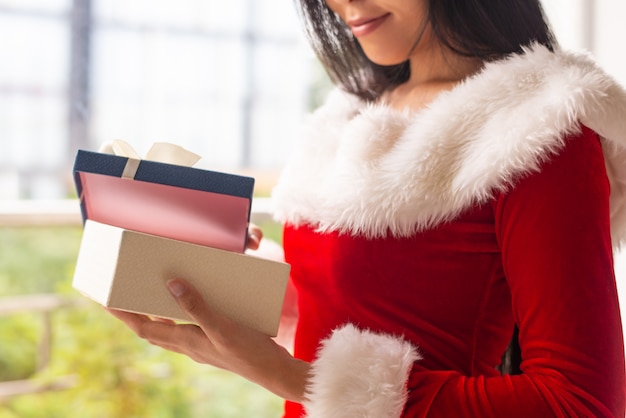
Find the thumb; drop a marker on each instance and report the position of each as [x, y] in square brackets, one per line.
[189, 300]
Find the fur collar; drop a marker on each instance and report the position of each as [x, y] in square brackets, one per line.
[378, 170]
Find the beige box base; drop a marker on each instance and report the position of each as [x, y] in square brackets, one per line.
[128, 270]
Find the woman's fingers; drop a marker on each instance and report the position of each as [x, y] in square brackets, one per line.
[180, 338]
[191, 302]
[141, 325]
[183, 338]
[134, 321]
[255, 235]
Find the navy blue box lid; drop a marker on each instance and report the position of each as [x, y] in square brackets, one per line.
[189, 204]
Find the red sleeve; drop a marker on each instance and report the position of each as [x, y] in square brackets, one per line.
[553, 229]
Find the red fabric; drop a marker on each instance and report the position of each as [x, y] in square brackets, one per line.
[539, 255]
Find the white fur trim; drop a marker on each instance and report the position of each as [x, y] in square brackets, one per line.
[379, 170]
[360, 374]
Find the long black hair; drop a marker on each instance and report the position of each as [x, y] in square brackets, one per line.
[484, 29]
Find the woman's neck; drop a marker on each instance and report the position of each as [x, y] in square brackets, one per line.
[433, 70]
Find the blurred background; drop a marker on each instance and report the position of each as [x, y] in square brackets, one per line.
[229, 80]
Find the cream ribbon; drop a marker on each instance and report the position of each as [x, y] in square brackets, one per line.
[162, 152]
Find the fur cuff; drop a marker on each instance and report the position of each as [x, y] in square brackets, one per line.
[360, 374]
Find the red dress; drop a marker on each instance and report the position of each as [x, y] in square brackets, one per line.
[455, 292]
[536, 252]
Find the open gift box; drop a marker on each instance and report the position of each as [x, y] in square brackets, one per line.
[146, 222]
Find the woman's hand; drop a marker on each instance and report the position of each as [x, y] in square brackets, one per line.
[221, 342]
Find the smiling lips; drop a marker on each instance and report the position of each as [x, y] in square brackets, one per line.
[365, 26]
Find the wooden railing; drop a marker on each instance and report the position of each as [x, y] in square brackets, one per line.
[44, 305]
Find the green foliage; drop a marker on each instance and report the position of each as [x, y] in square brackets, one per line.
[117, 375]
[114, 374]
[18, 361]
[36, 260]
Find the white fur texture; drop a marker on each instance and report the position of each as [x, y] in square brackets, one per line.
[380, 170]
[360, 374]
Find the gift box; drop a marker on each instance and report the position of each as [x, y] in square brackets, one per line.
[146, 222]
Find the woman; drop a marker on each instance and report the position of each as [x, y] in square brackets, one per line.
[466, 177]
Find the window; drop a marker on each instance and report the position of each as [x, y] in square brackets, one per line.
[227, 80]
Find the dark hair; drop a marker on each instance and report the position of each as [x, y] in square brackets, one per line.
[484, 29]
